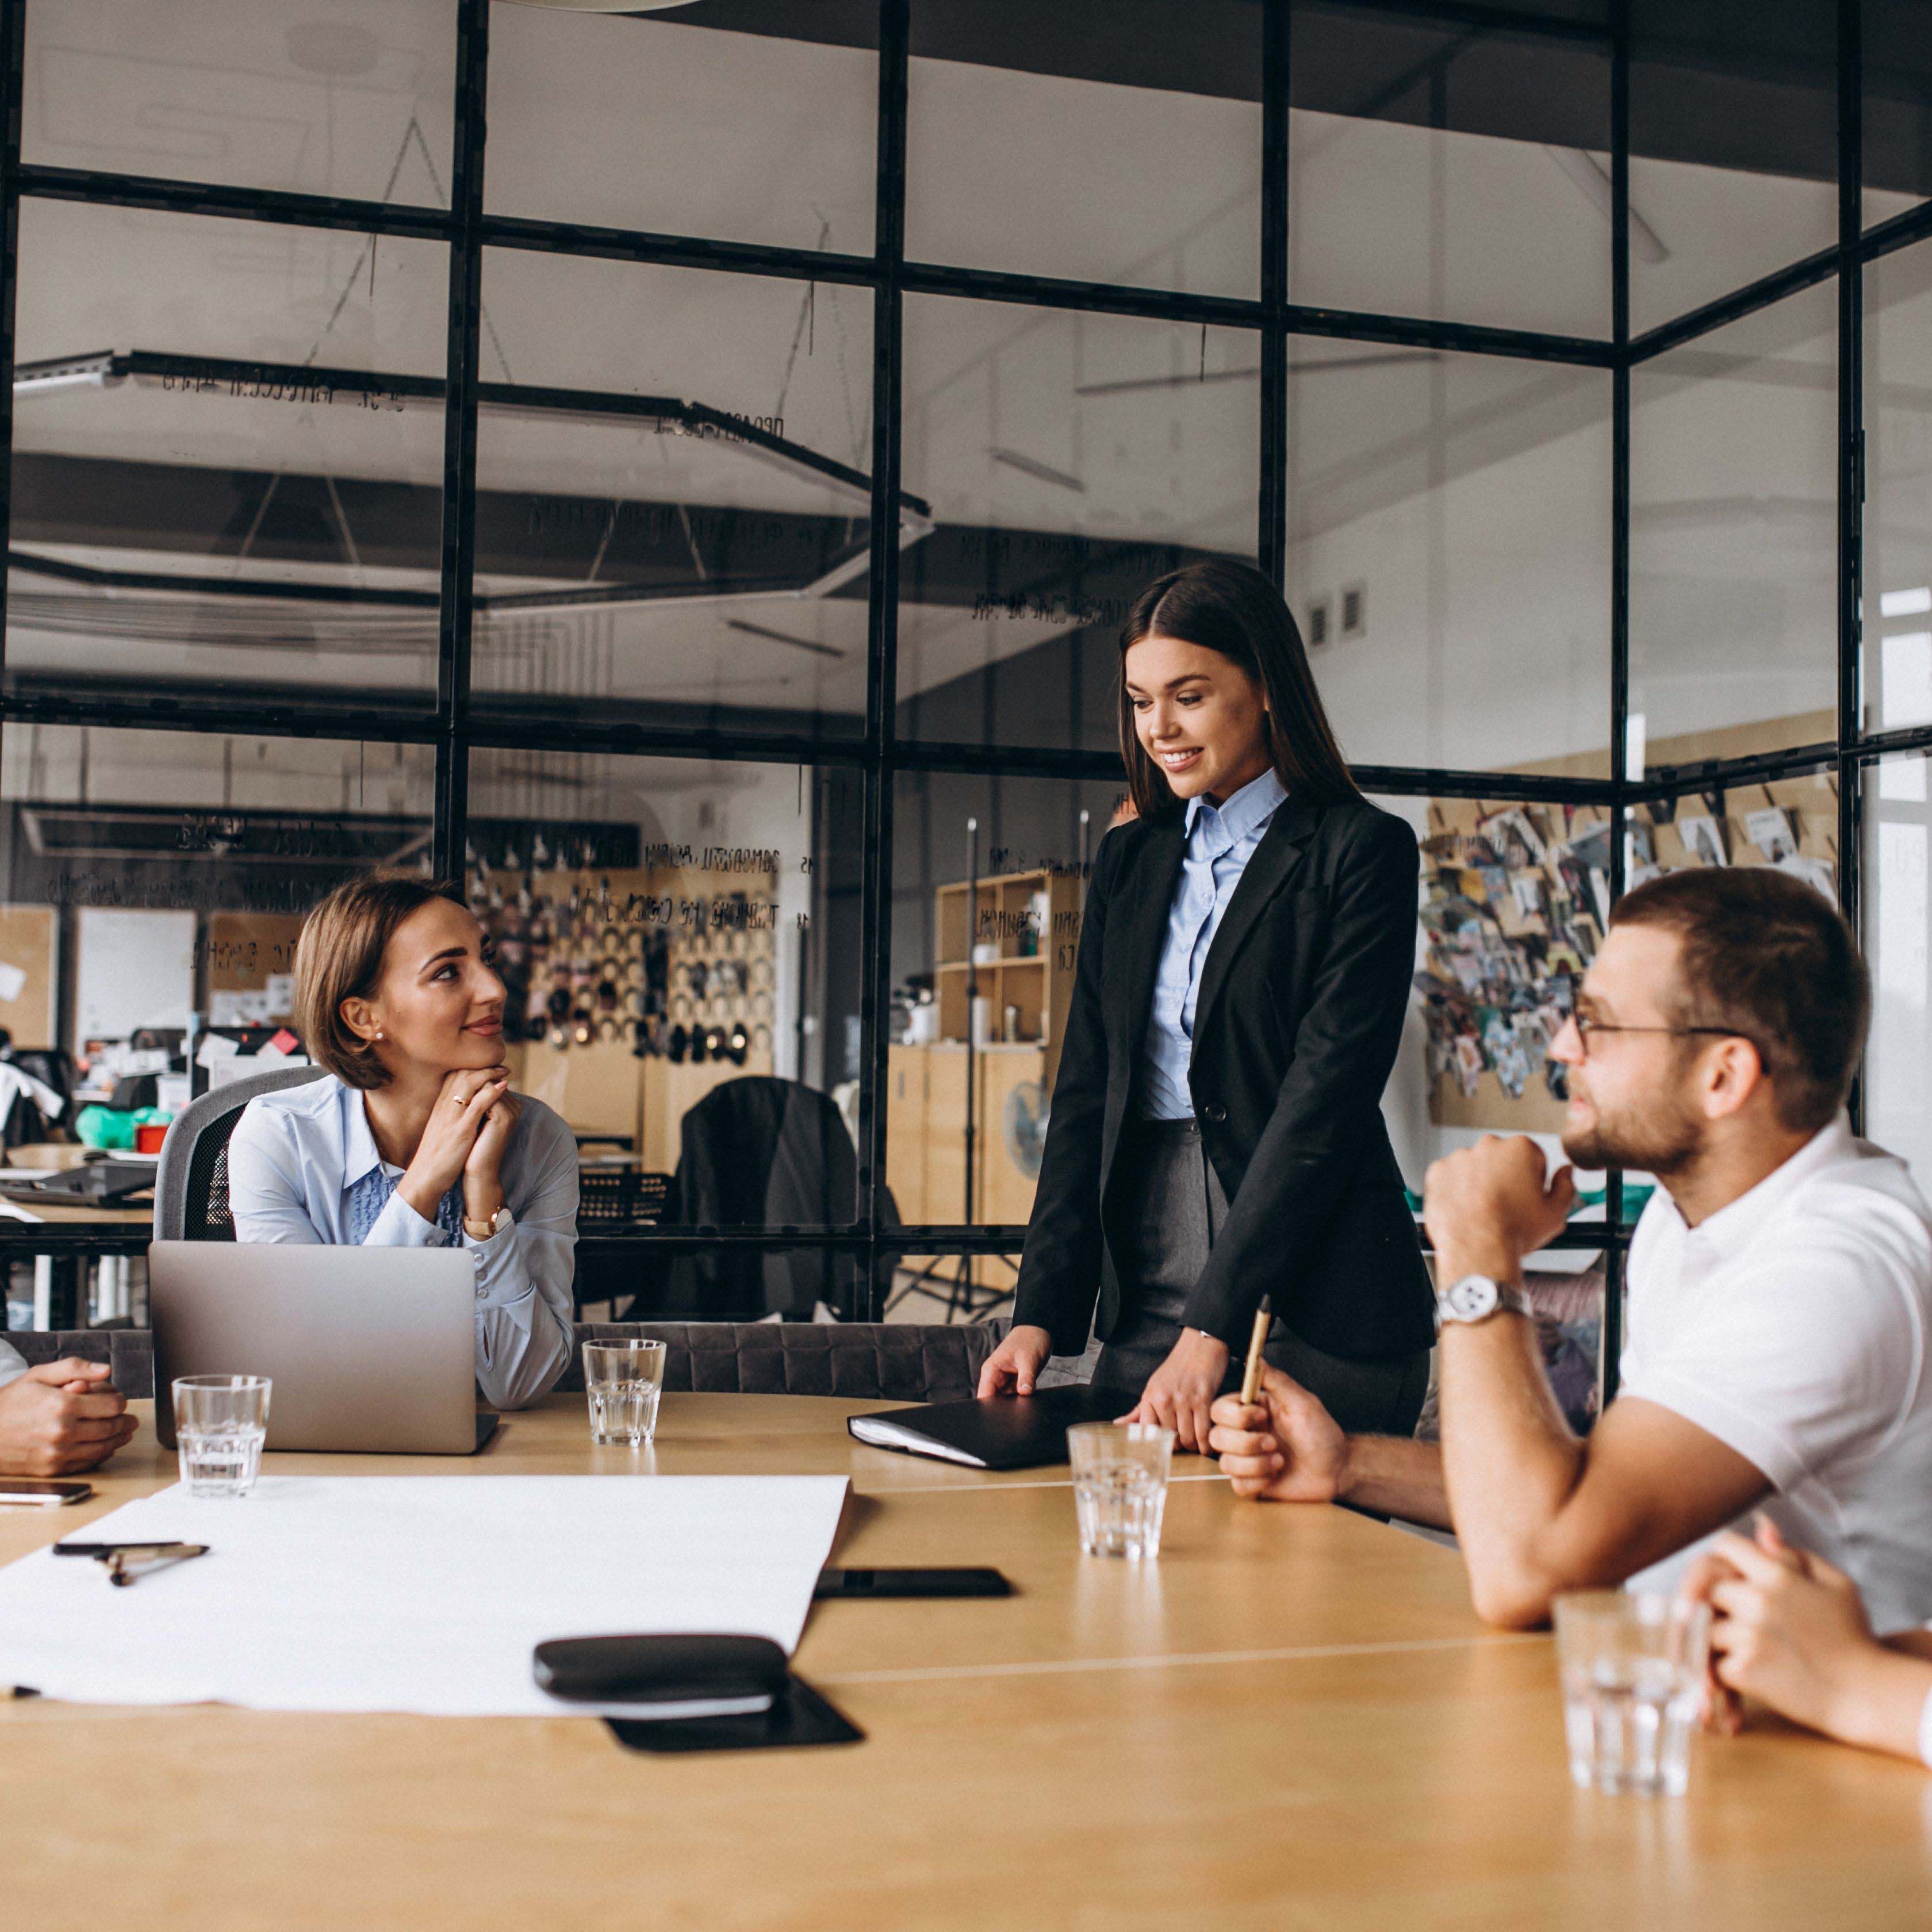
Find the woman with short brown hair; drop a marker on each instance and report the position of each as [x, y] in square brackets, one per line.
[413, 1138]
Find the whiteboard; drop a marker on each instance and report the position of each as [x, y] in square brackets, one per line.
[135, 969]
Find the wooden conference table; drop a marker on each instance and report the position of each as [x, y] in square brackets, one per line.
[1292, 1720]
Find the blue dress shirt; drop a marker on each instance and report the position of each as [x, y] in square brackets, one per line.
[1220, 842]
[297, 1162]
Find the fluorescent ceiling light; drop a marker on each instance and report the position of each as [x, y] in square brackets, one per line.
[1905, 668]
[781, 637]
[1026, 466]
[1590, 174]
[1905, 603]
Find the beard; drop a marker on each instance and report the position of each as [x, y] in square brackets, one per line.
[1666, 1140]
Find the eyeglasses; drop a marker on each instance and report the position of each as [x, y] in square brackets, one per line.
[1587, 1028]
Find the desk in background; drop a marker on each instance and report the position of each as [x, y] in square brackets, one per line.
[1292, 1719]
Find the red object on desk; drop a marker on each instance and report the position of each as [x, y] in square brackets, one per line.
[149, 1135]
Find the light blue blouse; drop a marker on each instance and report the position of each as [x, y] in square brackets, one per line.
[296, 1161]
[1220, 842]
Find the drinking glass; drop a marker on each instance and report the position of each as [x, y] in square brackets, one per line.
[1632, 1664]
[219, 1422]
[1119, 1485]
[623, 1381]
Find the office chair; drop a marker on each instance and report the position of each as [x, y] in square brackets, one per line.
[191, 1183]
[763, 1152]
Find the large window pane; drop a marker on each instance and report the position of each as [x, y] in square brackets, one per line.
[227, 459]
[1734, 148]
[680, 942]
[1119, 146]
[662, 124]
[1449, 555]
[1408, 141]
[1898, 610]
[1896, 55]
[1069, 459]
[989, 878]
[355, 101]
[1514, 899]
[1734, 468]
[1791, 824]
[1897, 907]
[672, 514]
[158, 880]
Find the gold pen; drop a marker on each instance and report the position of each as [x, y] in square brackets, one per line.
[1251, 1375]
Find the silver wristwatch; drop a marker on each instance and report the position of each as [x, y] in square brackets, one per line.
[1475, 1297]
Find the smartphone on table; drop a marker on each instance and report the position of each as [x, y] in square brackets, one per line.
[48, 1493]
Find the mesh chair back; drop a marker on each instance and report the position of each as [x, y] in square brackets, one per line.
[191, 1183]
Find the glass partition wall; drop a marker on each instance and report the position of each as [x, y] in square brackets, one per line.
[699, 517]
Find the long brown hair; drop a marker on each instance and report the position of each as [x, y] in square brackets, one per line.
[1227, 607]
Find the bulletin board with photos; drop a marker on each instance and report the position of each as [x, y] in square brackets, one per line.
[1515, 902]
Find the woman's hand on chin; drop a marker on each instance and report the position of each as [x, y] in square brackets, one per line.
[450, 1137]
[482, 1172]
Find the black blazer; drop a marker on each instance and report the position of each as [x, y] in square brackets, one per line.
[1298, 1017]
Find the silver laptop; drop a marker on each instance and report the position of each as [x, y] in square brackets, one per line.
[369, 1348]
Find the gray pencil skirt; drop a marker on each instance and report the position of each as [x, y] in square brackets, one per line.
[1172, 1207]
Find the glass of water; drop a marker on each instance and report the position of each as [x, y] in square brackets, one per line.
[623, 1381]
[1632, 1664]
[219, 1422]
[1119, 1485]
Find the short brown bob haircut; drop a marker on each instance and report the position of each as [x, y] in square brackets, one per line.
[1769, 958]
[340, 957]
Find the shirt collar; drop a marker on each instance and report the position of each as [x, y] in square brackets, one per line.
[1247, 811]
[1731, 1227]
[359, 1154]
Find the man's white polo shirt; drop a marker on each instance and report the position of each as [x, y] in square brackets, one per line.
[1792, 1325]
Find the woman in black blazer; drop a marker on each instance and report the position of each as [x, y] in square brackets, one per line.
[1243, 971]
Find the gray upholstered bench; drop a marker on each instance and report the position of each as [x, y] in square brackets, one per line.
[889, 1361]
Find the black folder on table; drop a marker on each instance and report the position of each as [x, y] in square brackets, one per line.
[1003, 1432]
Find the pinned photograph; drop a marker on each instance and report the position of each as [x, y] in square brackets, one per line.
[1704, 839]
[1772, 831]
[1819, 874]
[1468, 1064]
[1515, 837]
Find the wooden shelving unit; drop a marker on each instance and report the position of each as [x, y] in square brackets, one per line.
[926, 1154]
[1033, 919]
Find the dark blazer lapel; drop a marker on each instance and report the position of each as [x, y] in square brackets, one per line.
[1144, 931]
[1274, 862]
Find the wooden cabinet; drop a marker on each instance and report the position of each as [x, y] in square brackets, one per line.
[925, 1140]
[906, 1133]
[1032, 920]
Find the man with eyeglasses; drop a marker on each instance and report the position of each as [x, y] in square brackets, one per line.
[1781, 1286]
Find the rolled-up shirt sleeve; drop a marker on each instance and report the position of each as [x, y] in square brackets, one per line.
[11, 1367]
[524, 1304]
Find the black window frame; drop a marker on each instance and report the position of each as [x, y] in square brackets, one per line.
[468, 228]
